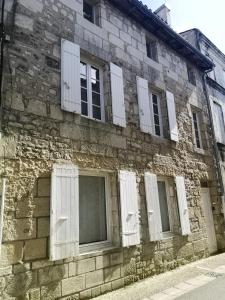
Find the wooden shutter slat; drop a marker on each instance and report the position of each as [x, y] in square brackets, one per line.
[183, 208]
[129, 209]
[172, 116]
[70, 77]
[117, 90]
[144, 106]
[153, 207]
[64, 228]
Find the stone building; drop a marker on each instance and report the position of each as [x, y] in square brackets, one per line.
[215, 89]
[106, 150]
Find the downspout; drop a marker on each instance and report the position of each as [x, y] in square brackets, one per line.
[215, 147]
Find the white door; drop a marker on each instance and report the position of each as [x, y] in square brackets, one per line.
[207, 211]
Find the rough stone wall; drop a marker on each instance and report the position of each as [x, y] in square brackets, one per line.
[37, 133]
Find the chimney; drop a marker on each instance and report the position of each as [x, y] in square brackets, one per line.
[164, 13]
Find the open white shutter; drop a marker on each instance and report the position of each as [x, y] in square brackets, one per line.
[70, 77]
[172, 116]
[117, 89]
[64, 225]
[183, 208]
[153, 207]
[129, 209]
[2, 204]
[144, 106]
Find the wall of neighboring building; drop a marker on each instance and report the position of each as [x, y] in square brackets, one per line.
[38, 134]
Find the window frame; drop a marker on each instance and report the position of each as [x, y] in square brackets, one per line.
[160, 114]
[90, 64]
[93, 5]
[90, 247]
[150, 50]
[167, 186]
[191, 75]
[198, 129]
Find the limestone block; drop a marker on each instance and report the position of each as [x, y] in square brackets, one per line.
[94, 278]
[7, 147]
[116, 41]
[11, 253]
[85, 295]
[105, 288]
[44, 187]
[73, 285]
[35, 249]
[41, 207]
[102, 262]
[43, 227]
[52, 273]
[117, 284]
[116, 258]
[24, 22]
[111, 273]
[41, 264]
[36, 6]
[85, 266]
[56, 112]
[21, 268]
[35, 294]
[5, 270]
[118, 141]
[37, 108]
[72, 269]
[75, 5]
[51, 291]
[19, 229]
[69, 130]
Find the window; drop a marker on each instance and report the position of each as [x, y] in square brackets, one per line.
[197, 131]
[163, 206]
[92, 209]
[151, 49]
[89, 11]
[218, 118]
[91, 91]
[191, 75]
[156, 115]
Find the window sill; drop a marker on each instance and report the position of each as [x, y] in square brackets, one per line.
[199, 150]
[96, 249]
[168, 235]
[154, 64]
[92, 119]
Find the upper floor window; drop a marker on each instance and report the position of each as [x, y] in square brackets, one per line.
[157, 115]
[219, 126]
[91, 91]
[191, 75]
[90, 11]
[151, 49]
[197, 131]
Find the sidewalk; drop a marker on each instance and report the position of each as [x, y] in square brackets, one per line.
[171, 285]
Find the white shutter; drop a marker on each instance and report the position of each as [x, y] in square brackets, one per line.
[64, 226]
[70, 77]
[2, 204]
[183, 208]
[117, 89]
[153, 208]
[218, 119]
[129, 209]
[144, 106]
[172, 116]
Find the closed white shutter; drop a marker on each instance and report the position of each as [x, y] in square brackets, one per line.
[218, 120]
[2, 203]
[153, 207]
[70, 77]
[117, 89]
[64, 225]
[144, 106]
[129, 209]
[183, 208]
[172, 116]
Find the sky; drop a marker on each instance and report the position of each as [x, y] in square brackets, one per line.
[206, 15]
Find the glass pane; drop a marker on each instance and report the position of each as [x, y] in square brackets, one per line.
[96, 112]
[154, 99]
[94, 74]
[83, 94]
[95, 86]
[155, 109]
[92, 209]
[157, 130]
[88, 11]
[83, 70]
[84, 108]
[96, 99]
[163, 206]
[83, 82]
[156, 118]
